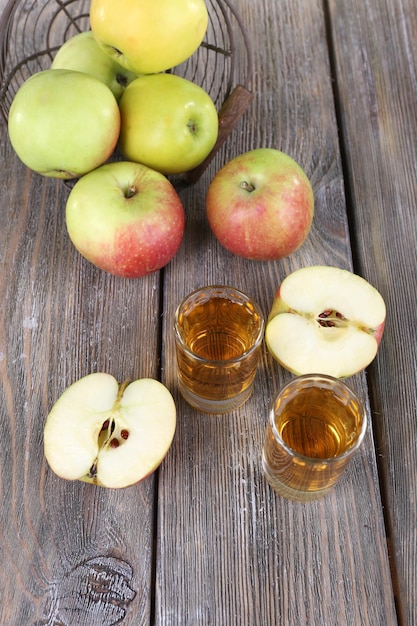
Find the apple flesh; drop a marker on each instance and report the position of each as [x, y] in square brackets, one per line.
[325, 320]
[260, 205]
[148, 37]
[108, 434]
[63, 123]
[125, 218]
[167, 123]
[82, 53]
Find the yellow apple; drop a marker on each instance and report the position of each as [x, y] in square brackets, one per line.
[168, 123]
[148, 37]
[63, 123]
[83, 54]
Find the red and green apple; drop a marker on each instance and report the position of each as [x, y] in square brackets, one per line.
[125, 218]
[260, 205]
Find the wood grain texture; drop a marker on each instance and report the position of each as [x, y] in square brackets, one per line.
[59, 320]
[376, 68]
[229, 550]
[205, 540]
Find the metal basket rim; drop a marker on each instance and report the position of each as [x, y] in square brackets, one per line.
[12, 6]
[233, 86]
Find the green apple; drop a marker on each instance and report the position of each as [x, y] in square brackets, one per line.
[167, 122]
[325, 320]
[125, 218]
[147, 37]
[83, 54]
[63, 123]
[109, 434]
[260, 205]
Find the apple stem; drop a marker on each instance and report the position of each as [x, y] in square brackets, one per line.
[122, 388]
[247, 186]
[130, 192]
[93, 471]
[192, 127]
[118, 52]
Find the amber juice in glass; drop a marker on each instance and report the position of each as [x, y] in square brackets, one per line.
[315, 426]
[218, 333]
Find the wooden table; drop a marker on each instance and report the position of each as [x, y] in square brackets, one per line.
[205, 540]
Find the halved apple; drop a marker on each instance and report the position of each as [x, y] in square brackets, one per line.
[107, 433]
[325, 320]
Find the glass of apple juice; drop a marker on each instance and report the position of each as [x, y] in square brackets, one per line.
[316, 425]
[218, 335]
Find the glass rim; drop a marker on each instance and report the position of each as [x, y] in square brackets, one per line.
[315, 460]
[217, 362]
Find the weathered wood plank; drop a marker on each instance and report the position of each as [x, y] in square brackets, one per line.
[376, 67]
[229, 550]
[71, 553]
[65, 545]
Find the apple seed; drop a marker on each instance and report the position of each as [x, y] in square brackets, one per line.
[114, 443]
[331, 318]
[105, 426]
[124, 434]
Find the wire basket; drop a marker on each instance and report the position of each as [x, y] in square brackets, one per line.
[31, 32]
